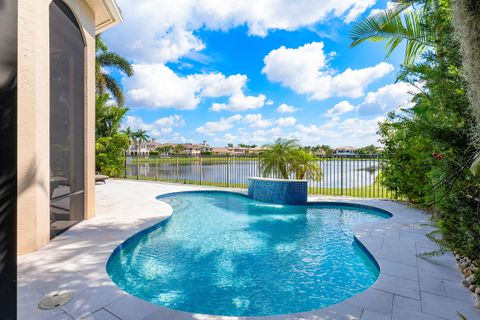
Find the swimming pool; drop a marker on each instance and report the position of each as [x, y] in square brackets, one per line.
[224, 254]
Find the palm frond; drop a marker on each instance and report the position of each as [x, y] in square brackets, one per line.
[112, 85]
[395, 26]
[112, 59]
[100, 44]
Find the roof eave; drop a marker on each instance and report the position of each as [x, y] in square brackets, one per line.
[109, 16]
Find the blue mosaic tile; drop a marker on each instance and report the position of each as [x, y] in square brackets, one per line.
[278, 191]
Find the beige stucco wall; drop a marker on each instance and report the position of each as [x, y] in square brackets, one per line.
[33, 204]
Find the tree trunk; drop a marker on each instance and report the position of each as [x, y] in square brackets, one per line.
[466, 21]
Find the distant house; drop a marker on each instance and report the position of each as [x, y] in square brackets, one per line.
[221, 151]
[345, 151]
[237, 151]
[140, 150]
[194, 149]
[152, 145]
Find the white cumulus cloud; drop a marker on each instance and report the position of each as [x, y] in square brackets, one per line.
[240, 102]
[306, 70]
[387, 98]
[161, 129]
[353, 131]
[285, 108]
[340, 108]
[158, 86]
[257, 121]
[285, 122]
[224, 124]
[163, 31]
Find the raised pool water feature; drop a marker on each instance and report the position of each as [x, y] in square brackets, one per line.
[222, 253]
[278, 191]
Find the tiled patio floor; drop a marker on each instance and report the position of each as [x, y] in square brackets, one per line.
[409, 287]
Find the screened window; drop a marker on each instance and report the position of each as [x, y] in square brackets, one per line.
[67, 123]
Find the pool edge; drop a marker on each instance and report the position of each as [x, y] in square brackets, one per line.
[356, 238]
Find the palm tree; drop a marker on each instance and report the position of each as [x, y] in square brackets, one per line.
[402, 23]
[327, 150]
[305, 163]
[277, 157]
[164, 150]
[139, 136]
[108, 117]
[128, 131]
[104, 81]
[178, 149]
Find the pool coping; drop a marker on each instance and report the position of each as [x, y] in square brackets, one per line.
[408, 287]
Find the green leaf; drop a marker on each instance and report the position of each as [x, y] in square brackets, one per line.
[475, 167]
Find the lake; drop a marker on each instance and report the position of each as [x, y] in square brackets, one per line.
[337, 173]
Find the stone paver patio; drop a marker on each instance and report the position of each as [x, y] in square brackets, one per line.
[408, 288]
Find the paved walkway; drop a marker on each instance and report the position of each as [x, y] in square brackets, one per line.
[408, 288]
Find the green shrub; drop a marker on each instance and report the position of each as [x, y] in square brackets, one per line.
[110, 154]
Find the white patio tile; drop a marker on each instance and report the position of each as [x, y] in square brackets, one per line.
[27, 304]
[432, 285]
[447, 307]
[131, 308]
[389, 254]
[372, 315]
[398, 270]
[399, 286]
[341, 311]
[101, 314]
[456, 290]
[400, 313]
[91, 299]
[374, 300]
[61, 316]
[407, 303]
[438, 268]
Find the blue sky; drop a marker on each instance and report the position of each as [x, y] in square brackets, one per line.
[241, 72]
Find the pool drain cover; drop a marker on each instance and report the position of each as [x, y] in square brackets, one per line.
[55, 300]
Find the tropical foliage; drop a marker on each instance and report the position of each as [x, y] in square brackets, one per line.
[111, 143]
[429, 147]
[400, 24]
[105, 83]
[285, 157]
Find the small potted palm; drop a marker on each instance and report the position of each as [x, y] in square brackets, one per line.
[284, 165]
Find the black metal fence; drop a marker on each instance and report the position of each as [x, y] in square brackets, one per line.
[341, 175]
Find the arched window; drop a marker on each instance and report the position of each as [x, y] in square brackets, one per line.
[67, 119]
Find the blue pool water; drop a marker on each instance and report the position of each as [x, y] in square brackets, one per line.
[224, 254]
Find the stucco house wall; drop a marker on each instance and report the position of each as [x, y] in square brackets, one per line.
[33, 203]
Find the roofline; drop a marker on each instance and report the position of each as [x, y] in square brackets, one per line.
[114, 13]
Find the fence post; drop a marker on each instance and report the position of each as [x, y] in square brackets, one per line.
[156, 169]
[259, 174]
[176, 171]
[341, 175]
[138, 167]
[228, 171]
[125, 162]
[201, 170]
